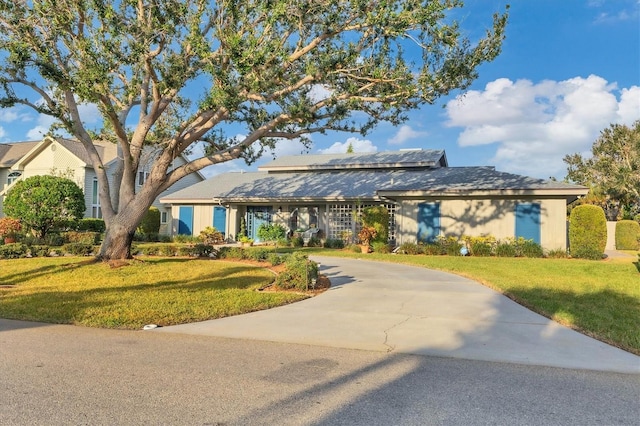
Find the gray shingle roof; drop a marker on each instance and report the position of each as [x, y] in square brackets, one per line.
[356, 184]
[10, 153]
[367, 160]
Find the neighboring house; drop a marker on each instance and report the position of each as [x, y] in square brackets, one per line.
[425, 197]
[68, 158]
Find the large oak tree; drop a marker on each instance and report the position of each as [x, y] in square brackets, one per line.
[175, 73]
[612, 171]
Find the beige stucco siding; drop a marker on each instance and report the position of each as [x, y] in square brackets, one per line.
[495, 217]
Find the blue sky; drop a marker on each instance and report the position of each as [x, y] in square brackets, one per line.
[568, 69]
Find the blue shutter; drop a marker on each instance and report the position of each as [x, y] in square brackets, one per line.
[185, 220]
[220, 219]
[428, 222]
[528, 221]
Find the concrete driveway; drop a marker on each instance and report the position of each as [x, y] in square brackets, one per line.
[403, 309]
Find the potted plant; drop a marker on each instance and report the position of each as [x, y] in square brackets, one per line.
[366, 234]
[9, 227]
[245, 241]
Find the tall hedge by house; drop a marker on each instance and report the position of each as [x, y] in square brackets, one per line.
[627, 235]
[587, 232]
[150, 222]
[378, 218]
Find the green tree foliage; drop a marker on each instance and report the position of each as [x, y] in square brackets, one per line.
[272, 232]
[43, 203]
[278, 69]
[613, 170]
[587, 232]
[627, 235]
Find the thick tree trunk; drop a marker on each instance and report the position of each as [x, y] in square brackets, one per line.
[117, 242]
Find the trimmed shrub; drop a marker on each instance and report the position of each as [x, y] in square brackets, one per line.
[587, 232]
[627, 235]
[13, 251]
[275, 259]
[411, 248]
[380, 247]
[232, 253]
[258, 254]
[79, 249]
[185, 239]
[82, 237]
[297, 242]
[299, 273]
[333, 243]
[150, 223]
[211, 236]
[204, 250]
[91, 225]
[55, 240]
[39, 251]
[314, 242]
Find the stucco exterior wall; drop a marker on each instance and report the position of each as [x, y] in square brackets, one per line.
[476, 217]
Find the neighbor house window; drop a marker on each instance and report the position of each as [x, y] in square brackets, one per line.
[96, 211]
[142, 177]
[13, 176]
[163, 217]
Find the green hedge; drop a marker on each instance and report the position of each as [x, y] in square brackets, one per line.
[627, 235]
[587, 232]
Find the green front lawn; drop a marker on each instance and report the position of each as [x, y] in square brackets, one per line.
[163, 291]
[599, 298]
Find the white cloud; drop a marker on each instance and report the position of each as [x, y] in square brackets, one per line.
[287, 147]
[404, 134]
[359, 145]
[536, 125]
[43, 124]
[2, 132]
[318, 93]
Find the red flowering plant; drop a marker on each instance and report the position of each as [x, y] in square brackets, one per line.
[9, 227]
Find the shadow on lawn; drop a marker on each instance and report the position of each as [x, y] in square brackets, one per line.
[68, 306]
[614, 317]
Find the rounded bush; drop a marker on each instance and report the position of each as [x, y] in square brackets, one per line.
[627, 235]
[150, 222]
[587, 232]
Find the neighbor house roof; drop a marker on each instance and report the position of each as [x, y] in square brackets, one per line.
[10, 153]
[366, 184]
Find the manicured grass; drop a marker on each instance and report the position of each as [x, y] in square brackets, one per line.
[599, 298]
[161, 291]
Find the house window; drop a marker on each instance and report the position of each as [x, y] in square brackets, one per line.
[13, 176]
[163, 217]
[96, 211]
[142, 177]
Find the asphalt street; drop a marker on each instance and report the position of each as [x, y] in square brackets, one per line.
[62, 375]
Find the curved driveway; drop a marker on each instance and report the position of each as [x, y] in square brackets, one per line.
[398, 308]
